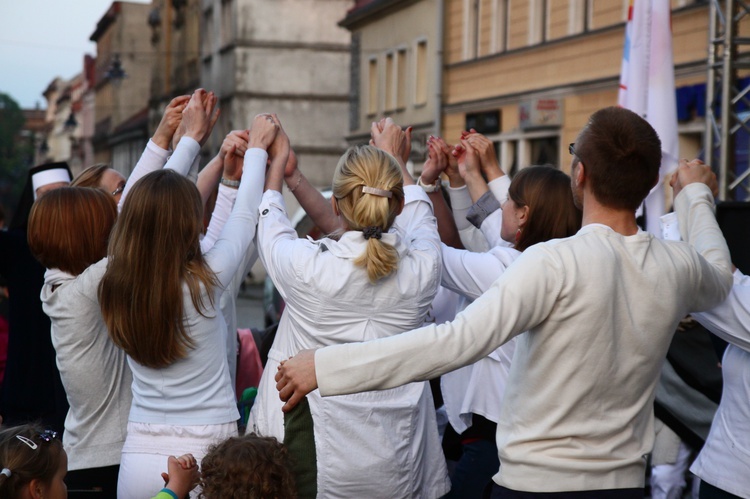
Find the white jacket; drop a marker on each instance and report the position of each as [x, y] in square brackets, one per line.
[377, 444]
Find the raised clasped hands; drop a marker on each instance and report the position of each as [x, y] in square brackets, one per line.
[170, 121]
[468, 160]
[262, 132]
[485, 151]
[437, 161]
[690, 172]
[295, 378]
[198, 117]
[391, 138]
[232, 153]
[279, 150]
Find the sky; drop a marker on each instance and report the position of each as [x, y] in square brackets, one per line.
[43, 39]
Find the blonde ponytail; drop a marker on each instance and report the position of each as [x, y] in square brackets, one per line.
[372, 209]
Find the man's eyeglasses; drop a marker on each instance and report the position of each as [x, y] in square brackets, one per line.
[573, 152]
[46, 435]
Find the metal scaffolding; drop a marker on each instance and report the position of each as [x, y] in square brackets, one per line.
[725, 98]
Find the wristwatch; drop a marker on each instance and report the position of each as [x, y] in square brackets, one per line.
[429, 188]
[230, 183]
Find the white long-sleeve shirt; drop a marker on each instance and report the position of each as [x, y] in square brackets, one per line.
[478, 388]
[600, 309]
[724, 460]
[197, 390]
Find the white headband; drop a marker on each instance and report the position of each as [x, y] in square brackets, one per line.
[6, 472]
[47, 177]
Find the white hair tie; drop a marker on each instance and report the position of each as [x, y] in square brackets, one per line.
[6, 472]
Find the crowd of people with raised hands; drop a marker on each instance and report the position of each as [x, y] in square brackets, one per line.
[537, 307]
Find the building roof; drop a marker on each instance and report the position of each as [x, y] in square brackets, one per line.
[106, 21]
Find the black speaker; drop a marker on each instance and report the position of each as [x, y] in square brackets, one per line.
[734, 221]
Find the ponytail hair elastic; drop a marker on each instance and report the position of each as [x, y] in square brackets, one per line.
[372, 231]
[6, 472]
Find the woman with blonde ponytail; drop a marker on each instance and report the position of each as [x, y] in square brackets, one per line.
[376, 277]
[373, 207]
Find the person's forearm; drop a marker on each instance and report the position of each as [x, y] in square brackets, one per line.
[731, 319]
[275, 175]
[492, 171]
[427, 352]
[694, 208]
[183, 156]
[152, 159]
[317, 207]
[408, 179]
[208, 179]
[446, 225]
[476, 185]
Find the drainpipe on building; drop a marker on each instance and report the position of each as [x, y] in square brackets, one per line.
[439, 69]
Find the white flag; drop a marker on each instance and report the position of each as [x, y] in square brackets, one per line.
[647, 88]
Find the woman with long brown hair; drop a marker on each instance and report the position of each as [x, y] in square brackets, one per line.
[539, 207]
[168, 322]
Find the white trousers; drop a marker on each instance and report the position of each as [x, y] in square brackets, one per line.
[148, 446]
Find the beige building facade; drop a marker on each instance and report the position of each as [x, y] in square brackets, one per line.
[536, 69]
[283, 56]
[174, 35]
[395, 72]
[121, 101]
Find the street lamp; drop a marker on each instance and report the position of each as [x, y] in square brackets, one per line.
[115, 73]
[71, 123]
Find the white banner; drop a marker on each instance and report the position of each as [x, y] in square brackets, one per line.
[647, 88]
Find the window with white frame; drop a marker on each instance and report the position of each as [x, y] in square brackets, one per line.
[227, 23]
[578, 17]
[390, 82]
[538, 22]
[372, 86]
[499, 32]
[517, 150]
[420, 73]
[207, 37]
[471, 29]
[401, 78]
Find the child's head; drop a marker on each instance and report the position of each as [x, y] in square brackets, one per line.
[247, 467]
[32, 463]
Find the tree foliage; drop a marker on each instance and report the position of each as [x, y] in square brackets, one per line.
[15, 154]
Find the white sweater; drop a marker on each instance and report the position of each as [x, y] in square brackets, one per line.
[600, 309]
[93, 370]
[197, 390]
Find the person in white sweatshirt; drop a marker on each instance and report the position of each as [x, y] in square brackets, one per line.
[170, 327]
[68, 232]
[600, 309]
